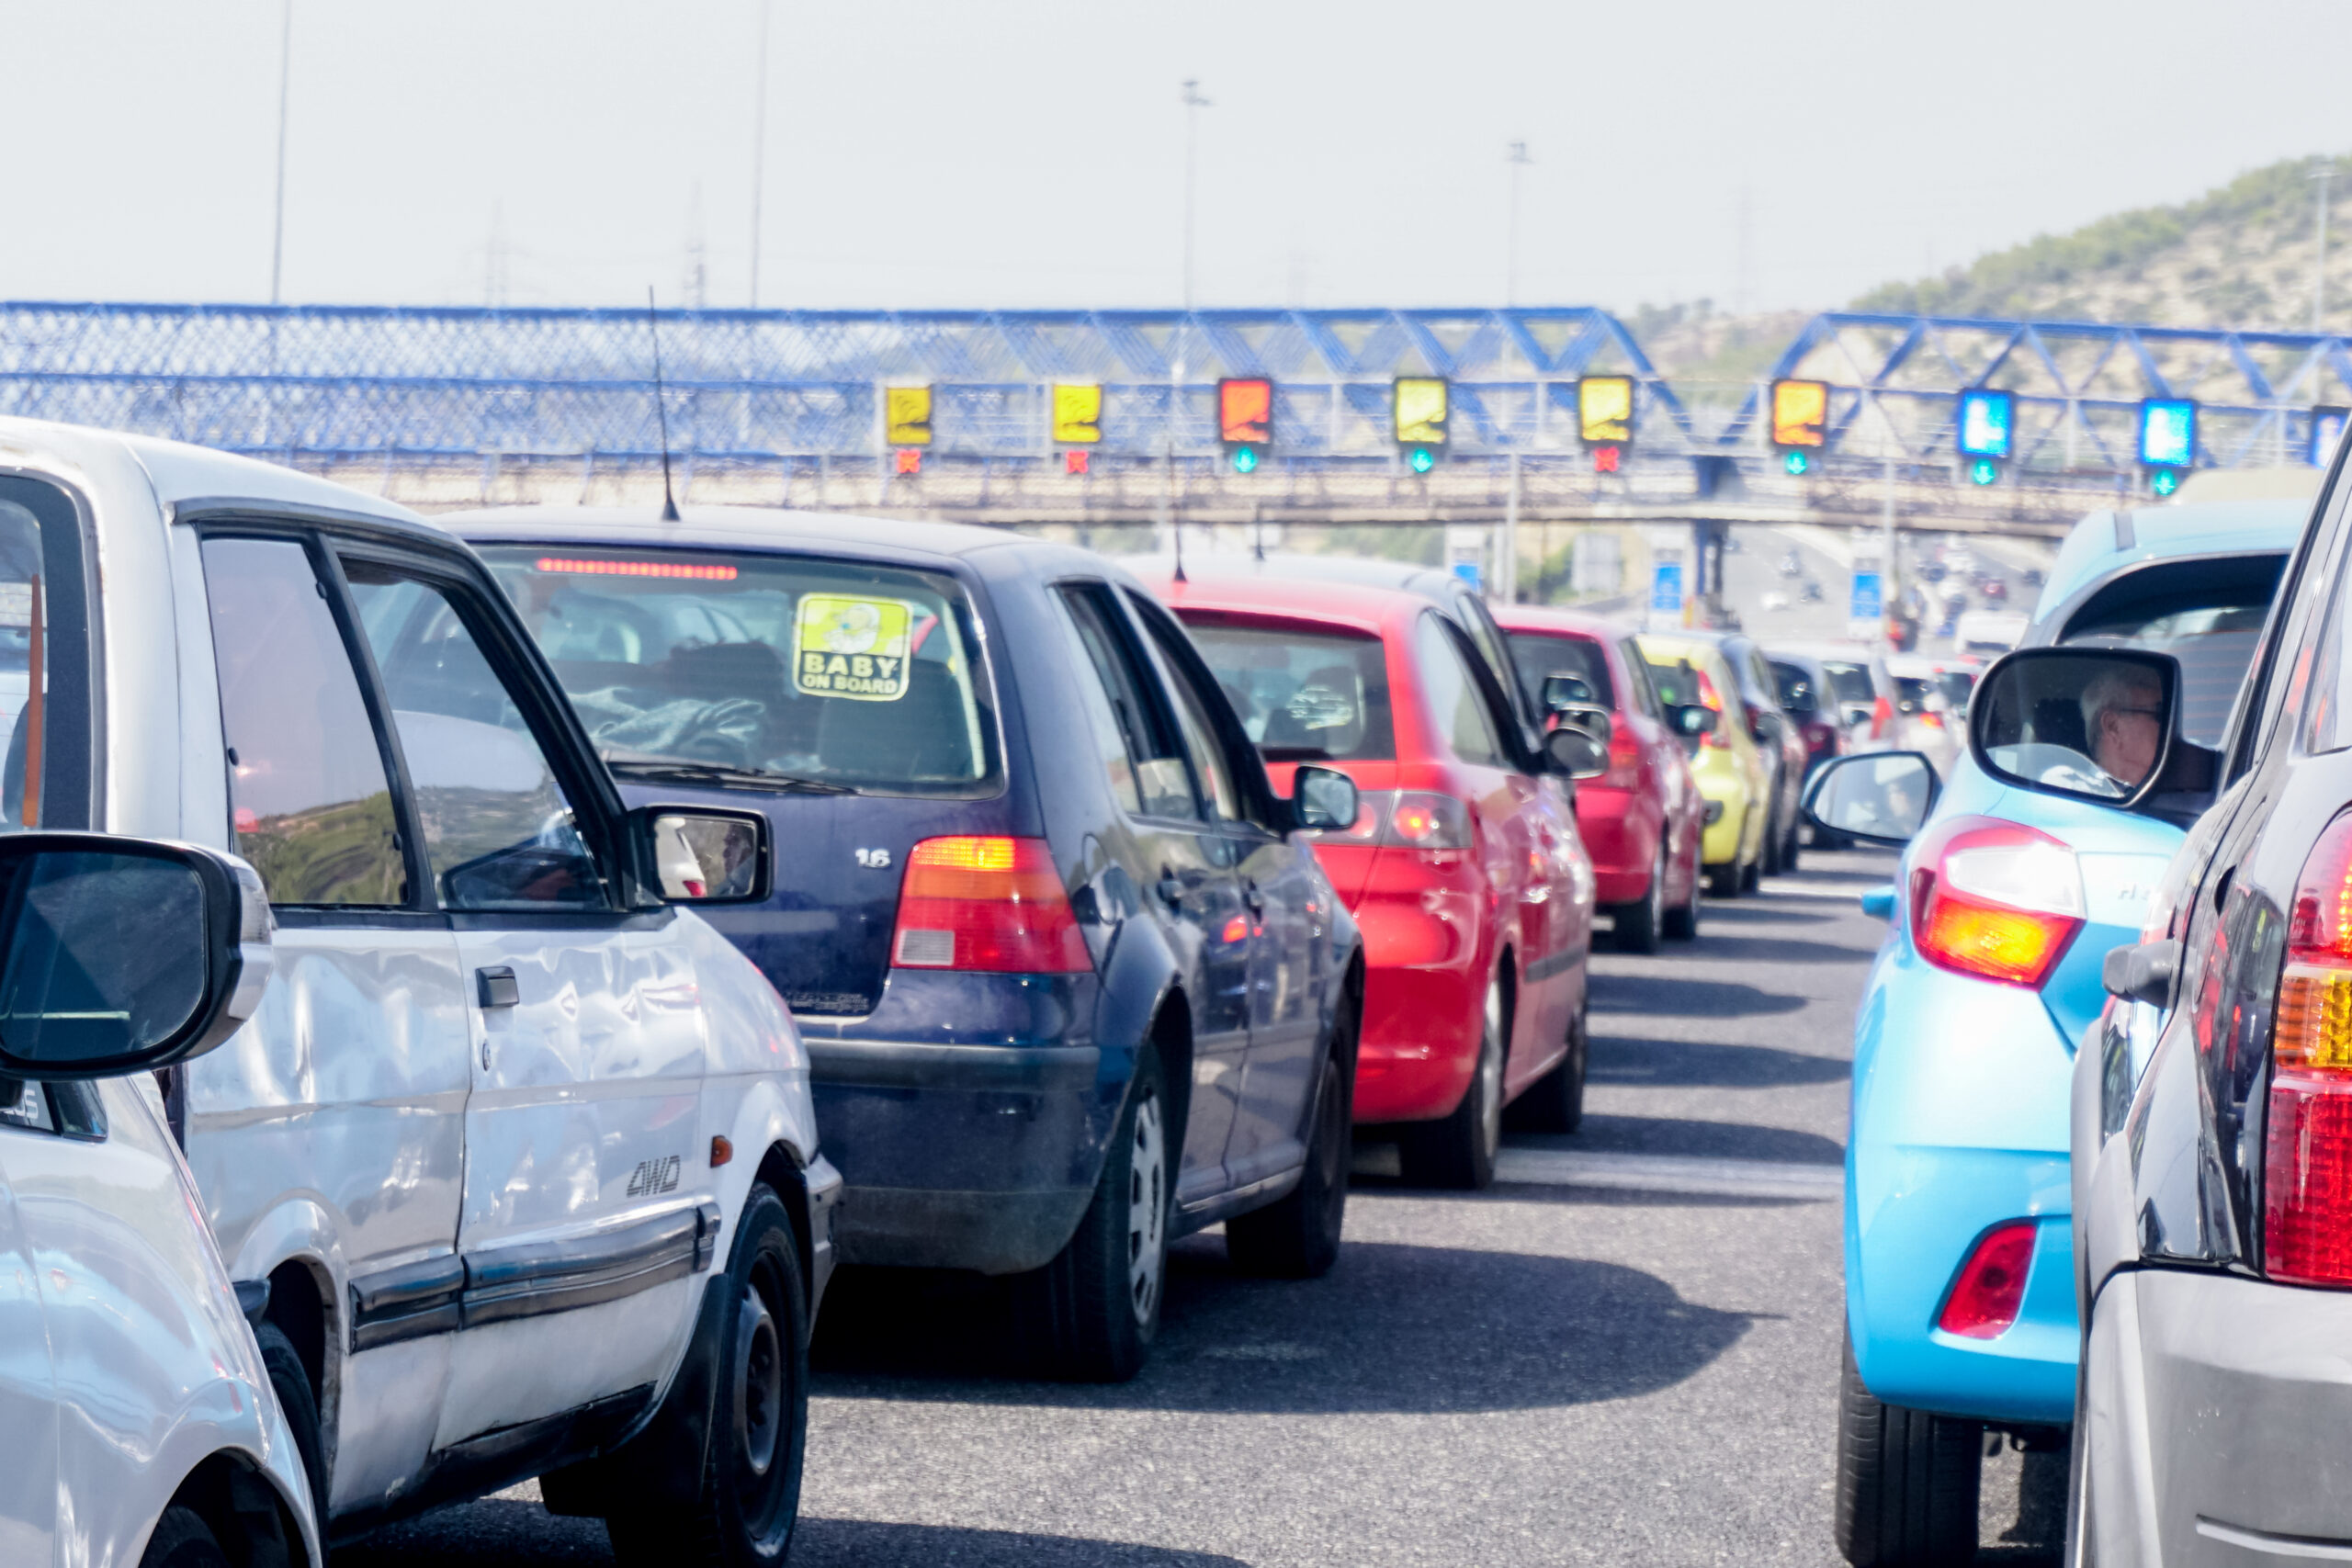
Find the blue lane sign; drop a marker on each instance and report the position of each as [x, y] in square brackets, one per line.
[2327, 429]
[1988, 424]
[2168, 432]
[1467, 570]
[1868, 603]
[1666, 589]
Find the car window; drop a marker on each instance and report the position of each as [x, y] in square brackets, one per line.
[1102, 719]
[498, 830]
[1852, 682]
[1303, 696]
[1677, 683]
[309, 799]
[2208, 614]
[1478, 623]
[1457, 709]
[1541, 655]
[1796, 687]
[1637, 676]
[44, 660]
[856, 674]
[1209, 764]
[1163, 782]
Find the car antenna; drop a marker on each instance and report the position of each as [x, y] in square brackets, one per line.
[661, 413]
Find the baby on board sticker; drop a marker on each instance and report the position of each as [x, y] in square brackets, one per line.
[848, 647]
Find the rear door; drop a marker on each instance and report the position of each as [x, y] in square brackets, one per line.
[586, 1173]
[1188, 872]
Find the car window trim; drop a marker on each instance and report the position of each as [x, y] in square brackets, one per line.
[1481, 681]
[1116, 625]
[1244, 765]
[89, 738]
[2249, 730]
[328, 574]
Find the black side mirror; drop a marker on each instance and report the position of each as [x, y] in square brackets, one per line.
[2091, 724]
[1564, 692]
[1574, 753]
[1324, 800]
[1695, 719]
[120, 955]
[1878, 797]
[705, 856]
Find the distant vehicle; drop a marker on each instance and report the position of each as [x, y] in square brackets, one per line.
[2031, 576]
[1643, 819]
[1809, 696]
[2212, 1218]
[1465, 871]
[1071, 982]
[1775, 600]
[1929, 569]
[1735, 775]
[1993, 589]
[1959, 1298]
[1809, 592]
[1988, 631]
[1791, 565]
[134, 1390]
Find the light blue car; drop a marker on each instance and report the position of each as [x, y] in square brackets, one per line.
[1960, 1297]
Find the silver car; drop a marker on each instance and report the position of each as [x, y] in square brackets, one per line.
[521, 1152]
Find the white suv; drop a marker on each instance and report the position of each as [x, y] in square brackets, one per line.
[523, 1152]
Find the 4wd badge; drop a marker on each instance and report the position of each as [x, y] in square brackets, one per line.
[844, 646]
[653, 1176]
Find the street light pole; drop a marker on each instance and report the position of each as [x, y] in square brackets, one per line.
[759, 146]
[2321, 177]
[1193, 104]
[1517, 159]
[284, 78]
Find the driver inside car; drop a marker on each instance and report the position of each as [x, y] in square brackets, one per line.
[2123, 715]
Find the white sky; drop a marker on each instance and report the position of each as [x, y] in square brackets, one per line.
[974, 153]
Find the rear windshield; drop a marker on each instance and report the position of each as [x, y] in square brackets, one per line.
[1678, 685]
[775, 669]
[1957, 684]
[1911, 693]
[1541, 655]
[1852, 683]
[1303, 696]
[2208, 614]
[1797, 695]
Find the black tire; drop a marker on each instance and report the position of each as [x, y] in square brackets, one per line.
[1682, 920]
[1751, 880]
[1768, 857]
[1298, 1237]
[750, 1498]
[1635, 926]
[291, 1383]
[1906, 1481]
[1555, 1102]
[1789, 849]
[1093, 1313]
[182, 1539]
[1459, 1150]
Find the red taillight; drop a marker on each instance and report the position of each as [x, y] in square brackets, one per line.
[2307, 1154]
[1420, 819]
[1624, 762]
[1882, 712]
[1710, 698]
[992, 903]
[1820, 736]
[1995, 898]
[1991, 1287]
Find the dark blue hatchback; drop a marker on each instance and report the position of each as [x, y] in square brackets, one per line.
[1070, 977]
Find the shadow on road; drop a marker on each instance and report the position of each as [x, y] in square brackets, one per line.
[1720, 948]
[1393, 1329]
[1678, 998]
[1689, 1137]
[1659, 1064]
[494, 1533]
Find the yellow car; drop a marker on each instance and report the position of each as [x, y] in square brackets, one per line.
[1734, 776]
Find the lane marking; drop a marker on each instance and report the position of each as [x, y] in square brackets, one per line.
[1696, 1175]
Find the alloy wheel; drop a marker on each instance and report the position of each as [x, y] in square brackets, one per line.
[1146, 1210]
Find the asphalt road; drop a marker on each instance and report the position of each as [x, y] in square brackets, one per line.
[1625, 1354]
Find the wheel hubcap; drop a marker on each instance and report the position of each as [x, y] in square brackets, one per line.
[758, 1387]
[1146, 1210]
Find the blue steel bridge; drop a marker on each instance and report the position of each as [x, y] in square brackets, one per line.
[447, 406]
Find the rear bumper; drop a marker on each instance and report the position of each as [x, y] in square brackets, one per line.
[1623, 846]
[960, 1157]
[2218, 1408]
[1420, 1037]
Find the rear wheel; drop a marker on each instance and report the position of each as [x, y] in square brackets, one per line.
[1095, 1308]
[1906, 1481]
[1752, 878]
[1768, 856]
[1298, 1238]
[182, 1539]
[1789, 849]
[1637, 924]
[291, 1385]
[1682, 920]
[1459, 1151]
[749, 1497]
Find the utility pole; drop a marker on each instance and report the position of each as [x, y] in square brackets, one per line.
[1517, 159]
[2321, 177]
[285, 79]
[759, 146]
[1193, 104]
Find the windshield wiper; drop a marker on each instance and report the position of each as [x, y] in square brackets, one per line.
[712, 775]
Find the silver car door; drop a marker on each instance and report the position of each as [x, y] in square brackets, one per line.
[28, 1388]
[589, 1195]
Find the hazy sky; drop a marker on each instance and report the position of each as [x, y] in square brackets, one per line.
[978, 152]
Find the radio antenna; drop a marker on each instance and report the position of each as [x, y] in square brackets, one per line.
[660, 411]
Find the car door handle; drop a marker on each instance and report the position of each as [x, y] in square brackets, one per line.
[495, 987]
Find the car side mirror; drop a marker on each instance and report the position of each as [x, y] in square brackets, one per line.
[1564, 692]
[1695, 719]
[1879, 798]
[1594, 721]
[1324, 800]
[122, 955]
[1576, 753]
[702, 856]
[2091, 724]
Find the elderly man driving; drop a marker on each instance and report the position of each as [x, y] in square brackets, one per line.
[2123, 717]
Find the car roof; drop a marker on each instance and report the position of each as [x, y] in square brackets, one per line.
[1361, 608]
[727, 527]
[1429, 582]
[1545, 618]
[2107, 542]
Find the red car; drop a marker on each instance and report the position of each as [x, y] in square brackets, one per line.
[1465, 872]
[1643, 819]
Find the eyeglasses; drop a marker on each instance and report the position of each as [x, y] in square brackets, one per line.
[2143, 713]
